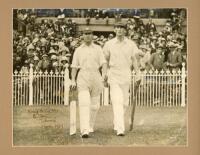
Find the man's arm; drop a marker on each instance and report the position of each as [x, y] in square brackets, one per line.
[179, 60]
[73, 75]
[105, 65]
[75, 66]
[134, 62]
[135, 67]
[104, 74]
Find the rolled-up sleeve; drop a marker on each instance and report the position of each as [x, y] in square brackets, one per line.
[106, 52]
[75, 61]
[102, 57]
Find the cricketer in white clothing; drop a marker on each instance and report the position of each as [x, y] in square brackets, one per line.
[120, 55]
[88, 58]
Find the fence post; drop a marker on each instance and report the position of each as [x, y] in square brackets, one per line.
[31, 85]
[66, 86]
[183, 75]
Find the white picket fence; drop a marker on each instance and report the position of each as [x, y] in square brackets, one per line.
[163, 88]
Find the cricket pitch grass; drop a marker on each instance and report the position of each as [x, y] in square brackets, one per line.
[49, 126]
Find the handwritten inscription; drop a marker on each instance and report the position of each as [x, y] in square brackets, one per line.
[41, 110]
[47, 120]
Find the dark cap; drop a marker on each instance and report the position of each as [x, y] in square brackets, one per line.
[173, 45]
[87, 30]
[44, 55]
[136, 17]
[119, 24]
[159, 46]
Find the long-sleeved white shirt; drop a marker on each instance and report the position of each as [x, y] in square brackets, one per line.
[119, 56]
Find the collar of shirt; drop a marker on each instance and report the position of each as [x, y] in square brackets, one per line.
[123, 41]
[91, 45]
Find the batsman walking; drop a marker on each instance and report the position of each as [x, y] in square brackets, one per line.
[88, 58]
[120, 55]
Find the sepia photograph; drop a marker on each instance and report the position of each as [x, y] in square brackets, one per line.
[100, 77]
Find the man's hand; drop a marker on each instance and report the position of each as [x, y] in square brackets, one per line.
[105, 80]
[105, 77]
[73, 82]
[137, 78]
[131, 67]
[172, 65]
[152, 68]
[73, 85]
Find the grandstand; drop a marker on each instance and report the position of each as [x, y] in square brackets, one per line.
[104, 23]
[63, 24]
[45, 37]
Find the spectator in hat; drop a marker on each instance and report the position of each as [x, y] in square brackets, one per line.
[167, 29]
[31, 46]
[50, 31]
[175, 21]
[174, 60]
[22, 20]
[107, 20]
[17, 62]
[175, 34]
[52, 41]
[153, 44]
[26, 41]
[60, 43]
[144, 61]
[120, 55]
[157, 60]
[53, 60]
[135, 38]
[52, 51]
[64, 51]
[50, 23]
[30, 58]
[42, 51]
[65, 63]
[55, 66]
[150, 26]
[56, 48]
[163, 42]
[25, 67]
[44, 64]
[35, 63]
[88, 57]
[88, 20]
[159, 37]
[110, 36]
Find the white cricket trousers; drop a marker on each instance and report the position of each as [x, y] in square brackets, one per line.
[119, 97]
[88, 108]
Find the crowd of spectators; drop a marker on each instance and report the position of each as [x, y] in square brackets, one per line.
[49, 45]
[170, 39]
[107, 12]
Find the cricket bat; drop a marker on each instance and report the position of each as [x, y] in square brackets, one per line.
[133, 102]
[72, 117]
[106, 96]
[106, 93]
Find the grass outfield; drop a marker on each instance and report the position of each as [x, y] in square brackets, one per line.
[49, 126]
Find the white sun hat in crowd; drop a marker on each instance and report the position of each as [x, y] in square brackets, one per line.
[53, 57]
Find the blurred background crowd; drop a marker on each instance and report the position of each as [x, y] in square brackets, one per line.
[49, 44]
